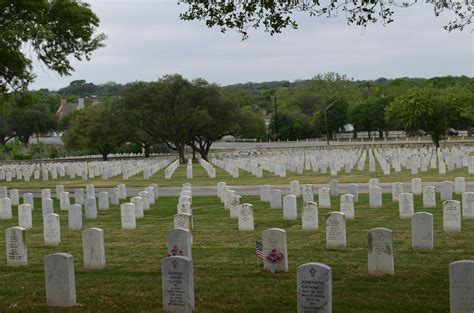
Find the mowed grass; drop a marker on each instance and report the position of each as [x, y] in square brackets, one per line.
[228, 277]
[200, 178]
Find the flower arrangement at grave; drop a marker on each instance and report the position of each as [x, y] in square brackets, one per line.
[175, 251]
[274, 257]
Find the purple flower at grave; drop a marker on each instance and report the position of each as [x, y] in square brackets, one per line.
[175, 251]
[274, 256]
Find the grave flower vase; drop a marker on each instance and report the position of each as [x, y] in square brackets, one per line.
[273, 267]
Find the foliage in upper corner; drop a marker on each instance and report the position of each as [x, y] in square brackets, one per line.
[276, 15]
[53, 30]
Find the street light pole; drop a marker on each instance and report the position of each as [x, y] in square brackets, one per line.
[326, 120]
[275, 122]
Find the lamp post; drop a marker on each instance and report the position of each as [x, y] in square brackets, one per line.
[275, 121]
[326, 120]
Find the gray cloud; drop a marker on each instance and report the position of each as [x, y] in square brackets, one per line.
[147, 40]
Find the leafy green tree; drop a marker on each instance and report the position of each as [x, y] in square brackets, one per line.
[461, 101]
[221, 115]
[169, 111]
[34, 119]
[290, 125]
[131, 114]
[55, 31]
[421, 108]
[307, 100]
[275, 16]
[251, 124]
[368, 115]
[96, 127]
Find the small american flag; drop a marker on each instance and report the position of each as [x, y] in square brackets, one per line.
[259, 250]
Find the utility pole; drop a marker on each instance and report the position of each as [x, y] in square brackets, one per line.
[275, 119]
[326, 120]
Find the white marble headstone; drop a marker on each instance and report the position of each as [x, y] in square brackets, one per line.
[25, 218]
[461, 286]
[314, 288]
[16, 249]
[451, 215]
[347, 206]
[74, 217]
[103, 200]
[90, 206]
[245, 217]
[289, 207]
[375, 197]
[177, 284]
[446, 190]
[405, 205]
[416, 188]
[127, 215]
[60, 280]
[308, 193]
[179, 242]
[309, 217]
[275, 238]
[429, 197]
[459, 185]
[51, 229]
[422, 231]
[353, 189]
[380, 256]
[93, 249]
[275, 201]
[6, 209]
[468, 205]
[324, 198]
[335, 230]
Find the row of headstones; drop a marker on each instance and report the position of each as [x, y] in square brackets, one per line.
[335, 222]
[334, 160]
[446, 191]
[16, 250]
[85, 170]
[51, 225]
[314, 280]
[211, 171]
[177, 280]
[230, 168]
[169, 171]
[60, 282]
[243, 212]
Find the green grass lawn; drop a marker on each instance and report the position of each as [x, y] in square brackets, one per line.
[202, 179]
[228, 277]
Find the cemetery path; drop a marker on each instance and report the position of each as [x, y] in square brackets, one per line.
[252, 190]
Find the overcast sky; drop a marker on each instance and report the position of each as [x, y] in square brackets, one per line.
[147, 40]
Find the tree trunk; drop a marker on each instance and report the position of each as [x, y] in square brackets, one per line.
[369, 133]
[147, 148]
[380, 134]
[194, 154]
[180, 148]
[354, 134]
[204, 150]
[104, 156]
[436, 139]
